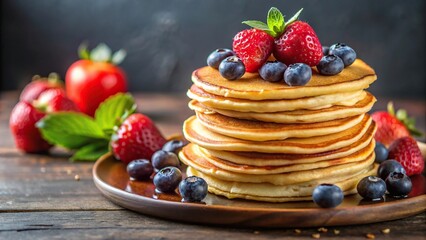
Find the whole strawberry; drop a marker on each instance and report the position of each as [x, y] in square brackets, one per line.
[22, 125]
[406, 151]
[253, 47]
[55, 100]
[391, 126]
[295, 41]
[136, 138]
[33, 90]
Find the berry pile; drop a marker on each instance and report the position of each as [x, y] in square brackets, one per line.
[168, 176]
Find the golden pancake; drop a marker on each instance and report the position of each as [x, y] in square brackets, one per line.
[251, 169]
[296, 116]
[356, 77]
[196, 133]
[262, 131]
[199, 163]
[275, 193]
[263, 106]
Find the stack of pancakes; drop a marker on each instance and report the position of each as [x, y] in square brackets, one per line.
[265, 141]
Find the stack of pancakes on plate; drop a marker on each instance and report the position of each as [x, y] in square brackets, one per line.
[265, 141]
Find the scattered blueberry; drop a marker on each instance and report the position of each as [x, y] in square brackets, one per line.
[217, 56]
[398, 184]
[381, 152]
[343, 51]
[327, 195]
[193, 189]
[161, 159]
[272, 71]
[173, 146]
[325, 50]
[297, 74]
[330, 65]
[140, 169]
[371, 187]
[167, 179]
[232, 68]
[389, 166]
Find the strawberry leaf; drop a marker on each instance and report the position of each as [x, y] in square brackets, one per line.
[70, 130]
[118, 56]
[275, 21]
[83, 53]
[114, 110]
[294, 18]
[101, 53]
[91, 152]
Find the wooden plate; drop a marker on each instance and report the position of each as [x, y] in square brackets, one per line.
[111, 178]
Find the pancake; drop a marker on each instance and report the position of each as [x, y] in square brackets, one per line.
[274, 193]
[296, 116]
[196, 133]
[251, 169]
[199, 163]
[266, 106]
[262, 131]
[356, 77]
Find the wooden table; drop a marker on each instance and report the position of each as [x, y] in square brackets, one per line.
[40, 197]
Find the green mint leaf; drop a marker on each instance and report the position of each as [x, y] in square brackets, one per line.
[294, 18]
[261, 26]
[275, 21]
[70, 129]
[118, 56]
[112, 111]
[101, 53]
[83, 53]
[91, 152]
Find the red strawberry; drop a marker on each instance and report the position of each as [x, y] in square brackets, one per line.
[55, 100]
[33, 90]
[136, 138]
[22, 124]
[298, 44]
[406, 151]
[253, 47]
[391, 127]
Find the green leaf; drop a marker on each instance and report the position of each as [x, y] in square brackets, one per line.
[83, 53]
[261, 26]
[91, 152]
[69, 129]
[275, 21]
[113, 111]
[118, 56]
[294, 18]
[101, 53]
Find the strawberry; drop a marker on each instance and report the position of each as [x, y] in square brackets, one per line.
[406, 151]
[136, 138]
[253, 47]
[391, 126]
[298, 44]
[22, 124]
[295, 41]
[54, 100]
[33, 90]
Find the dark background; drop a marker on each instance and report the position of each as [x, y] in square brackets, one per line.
[167, 40]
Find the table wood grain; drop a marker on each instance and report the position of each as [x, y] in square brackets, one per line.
[41, 199]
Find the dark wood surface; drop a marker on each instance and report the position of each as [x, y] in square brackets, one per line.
[41, 199]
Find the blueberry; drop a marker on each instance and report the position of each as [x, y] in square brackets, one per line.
[325, 50]
[232, 68]
[272, 71]
[330, 65]
[343, 51]
[327, 195]
[398, 184]
[217, 56]
[167, 179]
[174, 146]
[389, 166]
[371, 187]
[161, 159]
[381, 152]
[193, 189]
[297, 74]
[140, 169]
